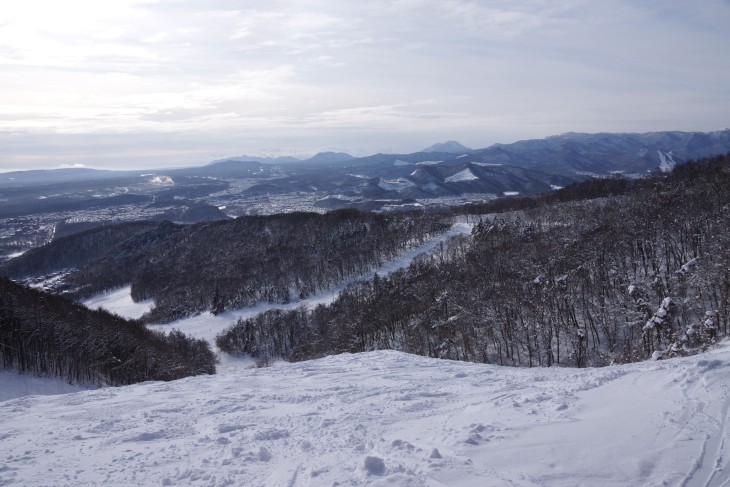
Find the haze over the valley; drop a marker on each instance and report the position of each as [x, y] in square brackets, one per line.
[141, 83]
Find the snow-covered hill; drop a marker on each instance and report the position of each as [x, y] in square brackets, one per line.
[384, 418]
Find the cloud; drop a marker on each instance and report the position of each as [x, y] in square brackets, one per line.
[277, 74]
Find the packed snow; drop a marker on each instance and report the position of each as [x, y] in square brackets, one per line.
[461, 176]
[384, 418]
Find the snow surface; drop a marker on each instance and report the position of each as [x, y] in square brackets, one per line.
[120, 302]
[384, 418]
[511, 193]
[463, 175]
[14, 385]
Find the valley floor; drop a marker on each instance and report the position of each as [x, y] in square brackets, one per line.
[384, 418]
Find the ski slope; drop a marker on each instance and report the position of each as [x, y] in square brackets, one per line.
[119, 301]
[207, 325]
[384, 418]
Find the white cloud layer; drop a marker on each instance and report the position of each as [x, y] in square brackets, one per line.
[187, 81]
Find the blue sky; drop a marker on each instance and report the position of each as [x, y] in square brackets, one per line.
[143, 83]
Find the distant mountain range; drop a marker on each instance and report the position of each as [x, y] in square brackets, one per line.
[524, 167]
[319, 158]
[574, 154]
[37, 206]
[446, 169]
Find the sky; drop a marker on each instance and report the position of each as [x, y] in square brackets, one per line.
[168, 83]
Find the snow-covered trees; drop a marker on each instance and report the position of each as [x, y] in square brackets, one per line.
[580, 282]
[228, 264]
[49, 335]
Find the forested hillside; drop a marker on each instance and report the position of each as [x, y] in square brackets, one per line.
[226, 264]
[642, 272]
[116, 242]
[48, 335]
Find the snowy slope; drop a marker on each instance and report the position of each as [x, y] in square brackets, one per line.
[384, 418]
[463, 175]
[666, 161]
[14, 385]
[120, 302]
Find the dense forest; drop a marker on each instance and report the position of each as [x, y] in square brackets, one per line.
[49, 335]
[602, 272]
[226, 264]
[94, 245]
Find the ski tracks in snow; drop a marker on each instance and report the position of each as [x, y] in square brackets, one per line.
[707, 416]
